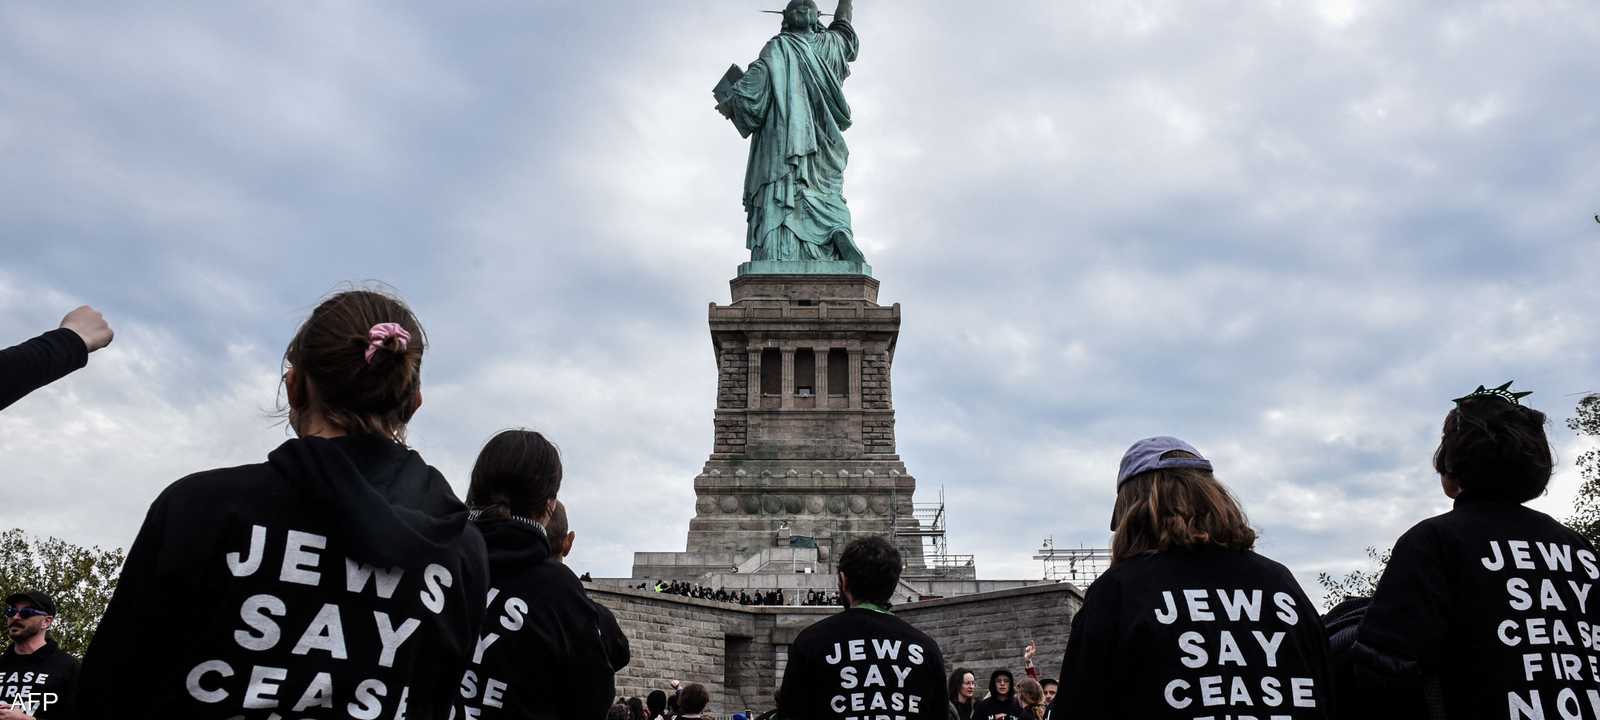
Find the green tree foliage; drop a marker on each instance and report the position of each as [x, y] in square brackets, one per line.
[1585, 518]
[79, 579]
[1357, 583]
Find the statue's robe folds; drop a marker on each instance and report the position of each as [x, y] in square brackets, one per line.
[791, 100]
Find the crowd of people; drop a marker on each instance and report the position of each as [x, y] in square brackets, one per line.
[701, 592]
[342, 577]
[685, 701]
[741, 597]
[818, 598]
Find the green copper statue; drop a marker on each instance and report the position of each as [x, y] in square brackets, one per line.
[790, 103]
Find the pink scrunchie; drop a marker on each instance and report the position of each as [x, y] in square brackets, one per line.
[381, 333]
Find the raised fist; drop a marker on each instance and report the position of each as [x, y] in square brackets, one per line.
[90, 325]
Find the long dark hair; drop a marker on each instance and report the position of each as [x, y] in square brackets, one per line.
[518, 472]
[355, 394]
[957, 679]
[1173, 508]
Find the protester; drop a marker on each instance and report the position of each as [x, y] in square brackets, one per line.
[1001, 703]
[53, 355]
[1188, 621]
[636, 709]
[864, 661]
[341, 573]
[1031, 696]
[618, 651]
[1047, 685]
[1485, 610]
[960, 691]
[656, 705]
[36, 678]
[543, 652]
[694, 701]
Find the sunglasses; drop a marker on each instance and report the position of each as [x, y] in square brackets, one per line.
[26, 613]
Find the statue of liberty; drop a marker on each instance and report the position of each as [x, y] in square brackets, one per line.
[790, 103]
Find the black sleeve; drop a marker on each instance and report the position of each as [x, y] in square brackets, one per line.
[935, 704]
[1405, 626]
[150, 582]
[38, 362]
[1086, 670]
[795, 694]
[618, 651]
[589, 676]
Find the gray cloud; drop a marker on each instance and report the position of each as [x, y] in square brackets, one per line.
[1288, 233]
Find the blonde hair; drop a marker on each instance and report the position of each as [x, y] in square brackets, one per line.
[1173, 508]
[1032, 695]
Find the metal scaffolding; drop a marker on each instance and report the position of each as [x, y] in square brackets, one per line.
[926, 525]
[1079, 566]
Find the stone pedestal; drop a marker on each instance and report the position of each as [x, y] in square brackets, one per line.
[804, 439]
[804, 267]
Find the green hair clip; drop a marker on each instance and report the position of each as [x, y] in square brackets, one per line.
[1503, 392]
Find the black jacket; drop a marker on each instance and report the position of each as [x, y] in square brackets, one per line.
[1495, 602]
[1191, 633]
[997, 706]
[618, 650]
[39, 362]
[544, 652]
[45, 677]
[863, 663]
[338, 579]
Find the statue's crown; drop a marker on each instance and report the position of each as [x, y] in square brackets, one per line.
[1503, 392]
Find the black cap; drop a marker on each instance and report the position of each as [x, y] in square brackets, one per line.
[37, 598]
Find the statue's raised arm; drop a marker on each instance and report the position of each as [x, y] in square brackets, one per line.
[790, 103]
[844, 12]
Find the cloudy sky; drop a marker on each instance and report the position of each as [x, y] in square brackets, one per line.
[1287, 231]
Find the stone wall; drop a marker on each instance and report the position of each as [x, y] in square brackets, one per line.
[733, 378]
[734, 651]
[739, 653]
[875, 394]
[986, 632]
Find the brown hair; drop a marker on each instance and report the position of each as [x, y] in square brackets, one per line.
[329, 352]
[1031, 693]
[1173, 508]
[694, 699]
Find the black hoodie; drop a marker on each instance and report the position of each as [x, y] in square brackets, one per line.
[1196, 632]
[1492, 604]
[997, 706]
[41, 682]
[340, 579]
[863, 663]
[543, 653]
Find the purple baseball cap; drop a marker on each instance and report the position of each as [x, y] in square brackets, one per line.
[1145, 456]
